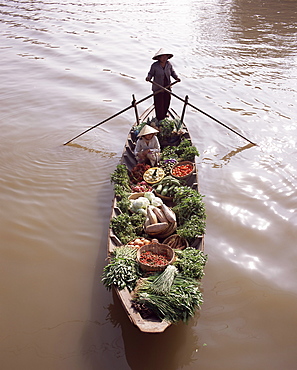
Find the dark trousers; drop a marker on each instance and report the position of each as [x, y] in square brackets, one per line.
[161, 102]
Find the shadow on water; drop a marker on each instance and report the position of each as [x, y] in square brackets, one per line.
[111, 341]
[227, 157]
[173, 349]
[104, 154]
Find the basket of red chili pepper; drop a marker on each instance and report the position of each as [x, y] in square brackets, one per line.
[183, 169]
[155, 257]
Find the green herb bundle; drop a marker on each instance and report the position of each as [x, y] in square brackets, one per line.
[184, 151]
[120, 177]
[190, 212]
[191, 229]
[162, 284]
[180, 303]
[123, 270]
[124, 203]
[188, 207]
[127, 227]
[120, 192]
[191, 262]
[189, 203]
[169, 152]
[166, 128]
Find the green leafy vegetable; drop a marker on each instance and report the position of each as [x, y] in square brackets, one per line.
[120, 177]
[123, 270]
[127, 227]
[191, 229]
[191, 262]
[123, 228]
[180, 303]
[124, 204]
[190, 212]
[164, 281]
[189, 203]
[184, 151]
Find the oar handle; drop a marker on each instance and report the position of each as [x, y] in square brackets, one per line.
[162, 87]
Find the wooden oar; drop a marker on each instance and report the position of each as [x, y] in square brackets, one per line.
[100, 123]
[133, 104]
[201, 111]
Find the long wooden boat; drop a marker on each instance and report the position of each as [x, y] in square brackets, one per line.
[145, 324]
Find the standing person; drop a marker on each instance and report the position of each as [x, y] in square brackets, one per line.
[147, 146]
[161, 71]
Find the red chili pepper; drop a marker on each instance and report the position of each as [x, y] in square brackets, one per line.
[153, 259]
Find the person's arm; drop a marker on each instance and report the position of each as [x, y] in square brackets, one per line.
[137, 147]
[155, 145]
[173, 73]
[151, 72]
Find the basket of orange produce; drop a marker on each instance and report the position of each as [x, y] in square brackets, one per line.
[182, 170]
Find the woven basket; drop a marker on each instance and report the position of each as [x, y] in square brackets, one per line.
[163, 234]
[183, 163]
[170, 199]
[133, 196]
[176, 242]
[157, 248]
[171, 229]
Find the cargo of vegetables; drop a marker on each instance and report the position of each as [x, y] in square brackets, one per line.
[179, 303]
[185, 151]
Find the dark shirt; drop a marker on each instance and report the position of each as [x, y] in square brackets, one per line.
[161, 75]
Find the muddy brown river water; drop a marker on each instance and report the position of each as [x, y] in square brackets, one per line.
[67, 65]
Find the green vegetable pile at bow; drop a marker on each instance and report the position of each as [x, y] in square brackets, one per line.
[179, 304]
[174, 294]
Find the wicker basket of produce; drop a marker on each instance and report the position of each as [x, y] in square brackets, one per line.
[161, 222]
[153, 175]
[182, 170]
[155, 257]
[171, 229]
[176, 242]
[161, 230]
[133, 196]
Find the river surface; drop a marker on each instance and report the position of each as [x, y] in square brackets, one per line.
[66, 66]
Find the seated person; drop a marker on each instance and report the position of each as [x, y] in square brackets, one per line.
[147, 147]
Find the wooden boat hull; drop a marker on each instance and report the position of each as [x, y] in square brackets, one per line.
[147, 325]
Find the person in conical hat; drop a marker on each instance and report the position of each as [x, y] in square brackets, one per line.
[161, 71]
[162, 52]
[147, 129]
[147, 147]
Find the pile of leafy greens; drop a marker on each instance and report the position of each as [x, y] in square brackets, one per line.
[184, 151]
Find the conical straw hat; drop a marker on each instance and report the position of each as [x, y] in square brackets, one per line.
[162, 52]
[146, 130]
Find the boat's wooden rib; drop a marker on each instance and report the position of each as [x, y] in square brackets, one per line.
[147, 325]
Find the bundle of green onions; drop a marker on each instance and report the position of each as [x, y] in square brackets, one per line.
[169, 295]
